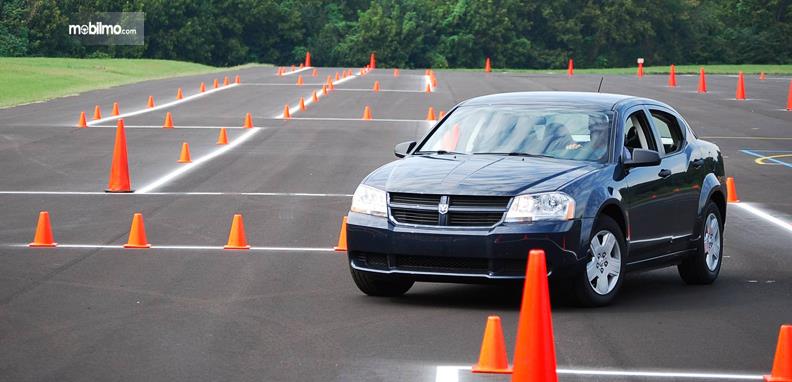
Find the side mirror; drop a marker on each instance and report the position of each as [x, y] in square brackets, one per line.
[641, 157]
[404, 148]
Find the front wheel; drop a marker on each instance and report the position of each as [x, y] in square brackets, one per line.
[599, 283]
[378, 285]
[704, 266]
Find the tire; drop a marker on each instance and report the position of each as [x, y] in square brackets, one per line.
[704, 265]
[599, 282]
[378, 285]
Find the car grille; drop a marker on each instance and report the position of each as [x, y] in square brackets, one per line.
[463, 211]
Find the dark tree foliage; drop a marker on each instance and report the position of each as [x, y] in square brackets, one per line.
[420, 33]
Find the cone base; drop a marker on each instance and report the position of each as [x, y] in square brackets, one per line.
[770, 378]
[118, 191]
[339, 249]
[183, 161]
[485, 370]
[42, 245]
[236, 247]
[137, 246]
[733, 201]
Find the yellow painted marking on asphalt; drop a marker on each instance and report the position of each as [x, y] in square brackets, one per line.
[763, 160]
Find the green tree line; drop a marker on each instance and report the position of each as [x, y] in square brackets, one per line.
[420, 33]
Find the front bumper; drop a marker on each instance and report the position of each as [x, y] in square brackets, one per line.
[440, 253]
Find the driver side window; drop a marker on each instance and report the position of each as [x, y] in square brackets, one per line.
[637, 134]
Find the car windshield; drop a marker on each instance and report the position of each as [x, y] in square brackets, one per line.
[523, 131]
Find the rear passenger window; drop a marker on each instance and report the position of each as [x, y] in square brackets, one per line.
[669, 130]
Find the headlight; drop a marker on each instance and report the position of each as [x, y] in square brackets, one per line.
[547, 206]
[369, 200]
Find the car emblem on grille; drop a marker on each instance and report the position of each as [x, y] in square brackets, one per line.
[442, 208]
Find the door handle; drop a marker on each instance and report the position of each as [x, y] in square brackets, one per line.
[697, 163]
[664, 173]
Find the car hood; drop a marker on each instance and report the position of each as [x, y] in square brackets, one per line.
[476, 174]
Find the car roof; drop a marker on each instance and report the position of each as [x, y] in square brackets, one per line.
[602, 101]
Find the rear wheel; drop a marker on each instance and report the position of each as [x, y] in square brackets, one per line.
[704, 266]
[374, 284]
[599, 283]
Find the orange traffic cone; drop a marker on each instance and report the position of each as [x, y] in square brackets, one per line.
[314, 73]
[215, 84]
[430, 115]
[236, 238]
[82, 122]
[307, 58]
[302, 104]
[640, 70]
[179, 94]
[789, 97]
[115, 109]
[222, 138]
[396, 72]
[367, 113]
[43, 236]
[168, 121]
[293, 68]
[299, 80]
[731, 191]
[337, 76]
[762, 76]
[314, 97]
[286, 113]
[324, 90]
[672, 77]
[184, 157]
[203, 87]
[97, 113]
[571, 68]
[428, 88]
[342, 242]
[534, 352]
[236, 79]
[440, 115]
[376, 86]
[119, 170]
[487, 66]
[782, 364]
[225, 81]
[280, 71]
[150, 102]
[372, 61]
[702, 86]
[330, 87]
[248, 121]
[301, 65]
[493, 358]
[137, 233]
[740, 95]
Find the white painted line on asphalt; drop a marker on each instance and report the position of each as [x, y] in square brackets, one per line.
[161, 106]
[763, 215]
[191, 247]
[280, 84]
[197, 193]
[451, 374]
[361, 119]
[297, 71]
[189, 166]
[381, 90]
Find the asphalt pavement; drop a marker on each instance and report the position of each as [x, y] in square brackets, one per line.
[288, 310]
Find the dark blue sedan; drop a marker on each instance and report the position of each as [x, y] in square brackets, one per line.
[603, 183]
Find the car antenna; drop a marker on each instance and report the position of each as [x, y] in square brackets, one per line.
[600, 85]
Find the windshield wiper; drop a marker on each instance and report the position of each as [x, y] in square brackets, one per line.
[440, 152]
[517, 154]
